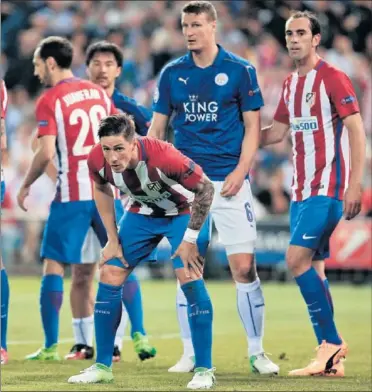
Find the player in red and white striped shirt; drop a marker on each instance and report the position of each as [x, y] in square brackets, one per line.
[68, 116]
[4, 276]
[159, 181]
[319, 107]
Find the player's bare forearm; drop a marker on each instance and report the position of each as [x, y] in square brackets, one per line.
[357, 141]
[273, 133]
[51, 170]
[104, 199]
[251, 140]
[201, 205]
[249, 149]
[158, 126]
[38, 166]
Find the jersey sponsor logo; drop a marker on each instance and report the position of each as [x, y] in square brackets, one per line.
[348, 99]
[43, 123]
[196, 111]
[154, 186]
[304, 124]
[156, 95]
[148, 199]
[310, 99]
[221, 79]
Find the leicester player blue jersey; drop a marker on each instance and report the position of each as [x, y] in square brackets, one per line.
[141, 115]
[207, 104]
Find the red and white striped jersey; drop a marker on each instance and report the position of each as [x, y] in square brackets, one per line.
[159, 185]
[72, 110]
[314, 106]
[4, 99]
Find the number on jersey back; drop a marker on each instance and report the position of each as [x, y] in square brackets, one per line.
[72, 111]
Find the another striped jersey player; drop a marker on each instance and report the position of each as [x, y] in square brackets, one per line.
[314, 106]
[71, 111]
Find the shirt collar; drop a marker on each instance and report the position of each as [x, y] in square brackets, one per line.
[217, 61]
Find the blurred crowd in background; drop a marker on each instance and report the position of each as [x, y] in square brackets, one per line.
[150, 35]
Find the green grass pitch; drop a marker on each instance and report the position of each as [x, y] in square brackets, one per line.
[288, 337]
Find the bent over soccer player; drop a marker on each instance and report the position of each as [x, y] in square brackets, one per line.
[159, 181]
[317, 103]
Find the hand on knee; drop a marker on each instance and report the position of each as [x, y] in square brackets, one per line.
[113, 275]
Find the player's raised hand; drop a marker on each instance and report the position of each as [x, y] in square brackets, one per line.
[233, 183]
[191, 258]
[21, 196]
[112, 250]
[352, 201]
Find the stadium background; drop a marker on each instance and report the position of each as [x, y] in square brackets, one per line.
[149, 34]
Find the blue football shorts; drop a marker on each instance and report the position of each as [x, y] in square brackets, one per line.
[67, 226]
[140, 235]
[312, 223]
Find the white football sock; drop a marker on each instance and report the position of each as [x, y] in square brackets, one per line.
[183, 321]
[120, 332]
[251, 308]
[83, 330]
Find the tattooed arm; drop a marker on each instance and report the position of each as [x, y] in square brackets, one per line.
[204, 192]
[188, 250]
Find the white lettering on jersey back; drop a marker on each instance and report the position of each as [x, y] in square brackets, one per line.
[80, 95]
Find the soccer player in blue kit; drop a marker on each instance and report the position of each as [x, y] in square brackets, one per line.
[215, 100]
[103, 60]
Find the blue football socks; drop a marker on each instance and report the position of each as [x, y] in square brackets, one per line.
[315, 296]
[4, 307]
[51, 296]
[132, 300]
[200, 313]
[107, 315]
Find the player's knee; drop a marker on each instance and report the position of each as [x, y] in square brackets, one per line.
[243, 267]
[52, 267]
[113, 275]
[82, 276]
[298, 259]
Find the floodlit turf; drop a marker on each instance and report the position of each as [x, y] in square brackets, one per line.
[289, 338]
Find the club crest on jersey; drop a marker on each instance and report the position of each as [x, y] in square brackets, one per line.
[154, 186]
[310, 99]
[221, 79]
